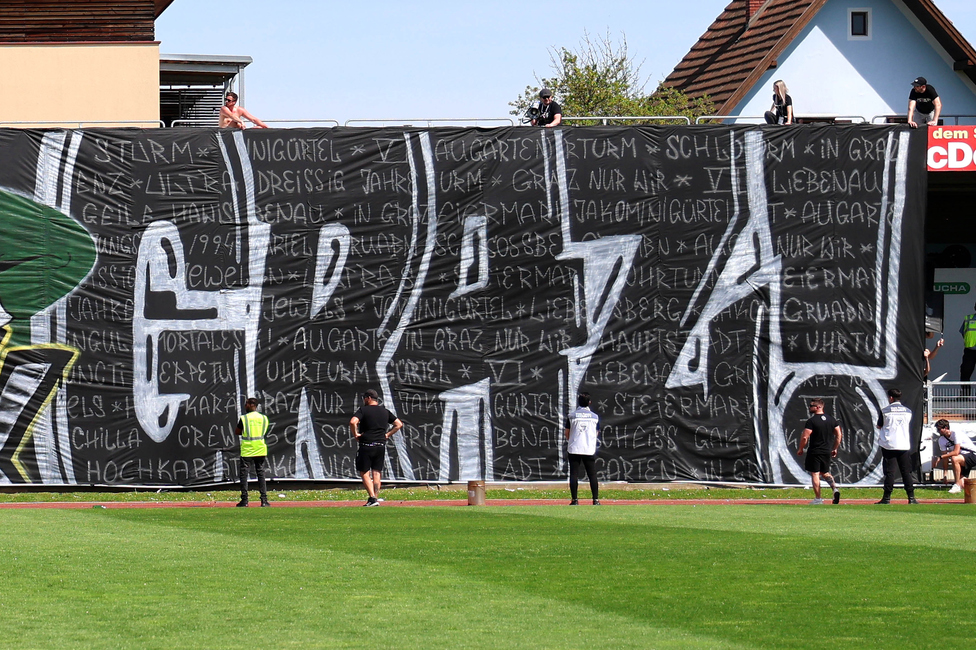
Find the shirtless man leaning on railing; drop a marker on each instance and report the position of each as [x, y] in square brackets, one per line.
[232, 115]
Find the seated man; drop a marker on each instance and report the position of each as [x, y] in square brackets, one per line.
[958, 449]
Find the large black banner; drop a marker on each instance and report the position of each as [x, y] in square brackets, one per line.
[702, 283]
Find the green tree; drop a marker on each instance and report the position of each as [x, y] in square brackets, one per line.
[600, 78]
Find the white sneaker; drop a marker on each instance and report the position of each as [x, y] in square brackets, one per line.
[955, 489]
[816, 502]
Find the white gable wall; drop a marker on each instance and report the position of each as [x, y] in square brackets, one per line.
[829, 74]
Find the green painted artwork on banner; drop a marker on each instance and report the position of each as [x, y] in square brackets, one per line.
[45, 255]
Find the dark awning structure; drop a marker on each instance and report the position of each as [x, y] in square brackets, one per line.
[191, 86]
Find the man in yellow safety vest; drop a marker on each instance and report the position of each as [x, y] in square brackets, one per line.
[252, 429]
[968, 331]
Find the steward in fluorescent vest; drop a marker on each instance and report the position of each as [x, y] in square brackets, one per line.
[252, 429]
[968, 331]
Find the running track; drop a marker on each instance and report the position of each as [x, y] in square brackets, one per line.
[458, 502]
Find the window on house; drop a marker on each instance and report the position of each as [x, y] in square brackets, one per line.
[860, 21]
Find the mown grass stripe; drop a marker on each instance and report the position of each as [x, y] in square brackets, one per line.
[545, 577]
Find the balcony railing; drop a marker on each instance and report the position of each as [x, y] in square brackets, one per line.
[489, 121]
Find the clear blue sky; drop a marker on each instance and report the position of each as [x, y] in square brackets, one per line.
[428, 58]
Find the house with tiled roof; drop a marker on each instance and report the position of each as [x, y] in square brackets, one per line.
[838, 58]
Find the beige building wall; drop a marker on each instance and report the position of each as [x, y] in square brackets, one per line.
[79, 82]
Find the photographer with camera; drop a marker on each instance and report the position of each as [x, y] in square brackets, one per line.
[547, 113]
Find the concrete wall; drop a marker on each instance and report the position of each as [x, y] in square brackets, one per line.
[828, 72]
[77, 82]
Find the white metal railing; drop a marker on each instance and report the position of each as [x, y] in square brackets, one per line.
[903, 117]
[298, 122]
[951, 400]
[198, 122]
[762, 118]
[213, 122]
[82, 124]
[629, 118]
[883, 119]
[956, 118]
[706, 118]
[843, 119]
[429, 121]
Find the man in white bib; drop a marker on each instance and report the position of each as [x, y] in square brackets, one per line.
[895, 438]
[582, 430]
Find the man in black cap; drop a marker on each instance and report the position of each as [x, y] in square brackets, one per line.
[550, 113]
[372, 437]
[923, 101]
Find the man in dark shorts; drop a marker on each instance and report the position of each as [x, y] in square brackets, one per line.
[823, 433]
[369, 427]
[958, 449]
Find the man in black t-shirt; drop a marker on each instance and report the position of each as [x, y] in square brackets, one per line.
[550, 113]
[824, 435]
[924, 105]
[369, 427]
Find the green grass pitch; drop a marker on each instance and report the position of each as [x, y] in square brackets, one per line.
[753, 576]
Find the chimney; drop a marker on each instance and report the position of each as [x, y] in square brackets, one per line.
[755, 6]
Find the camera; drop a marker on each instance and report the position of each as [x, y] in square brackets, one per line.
[534, 110]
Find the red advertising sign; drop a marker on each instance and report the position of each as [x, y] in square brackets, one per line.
[951, 149]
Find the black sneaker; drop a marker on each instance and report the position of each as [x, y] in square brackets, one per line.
[596, 502]
[836, 498]
[913, 501]
[574, 502]
[371, 502]
[242, 503]
[883, 502]
[265, 503]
